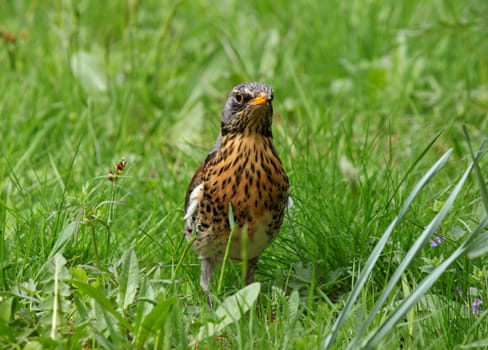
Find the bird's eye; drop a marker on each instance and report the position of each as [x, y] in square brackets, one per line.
[238, 97]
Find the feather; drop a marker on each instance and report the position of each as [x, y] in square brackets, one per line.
[195, 199]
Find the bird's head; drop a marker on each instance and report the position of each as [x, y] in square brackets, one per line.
[248, 109]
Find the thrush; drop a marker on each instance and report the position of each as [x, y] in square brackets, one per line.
[243, 172]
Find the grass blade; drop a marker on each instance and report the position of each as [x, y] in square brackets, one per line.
[478, 344]
[63, 238]
[129, 278]
[409, 302]
[428, 281]
[154, 321]
[478, 247]
[58, 262]
[379, 247]
[102, 300]
[227, 248]
[479, 176]
[410, 169]
[411, 254]
[230, 311]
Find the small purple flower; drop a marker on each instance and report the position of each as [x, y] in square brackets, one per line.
[437, 241]
[476, 306]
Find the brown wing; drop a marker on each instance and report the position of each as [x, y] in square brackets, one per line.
[195, 181]
[197, 178]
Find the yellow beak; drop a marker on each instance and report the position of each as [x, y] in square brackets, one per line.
[261, 99]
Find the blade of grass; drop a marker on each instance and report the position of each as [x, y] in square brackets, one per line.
[379, 247]
[478, 344]
[410, 169]
[128, 280]
[230, 311]
[227, 248]
[101, 299]
[64, 236]
[58, 262]
[479, 177]
[154, 321]
[3, 228]
[478, 247]
[376, 336]
[411, 254]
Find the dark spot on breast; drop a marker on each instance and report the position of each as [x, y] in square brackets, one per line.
[270, 178]
[224, 182]
[275, 166]
[204, 225]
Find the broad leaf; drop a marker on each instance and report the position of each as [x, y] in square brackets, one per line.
[230, 311]
[63, 238]
[129, 279]
[154, 322]
[89, 71]
[102, 300]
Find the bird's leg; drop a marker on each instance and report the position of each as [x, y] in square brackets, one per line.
[251, 270]
[208, 265]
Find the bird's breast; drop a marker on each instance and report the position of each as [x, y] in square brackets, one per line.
[247, 174]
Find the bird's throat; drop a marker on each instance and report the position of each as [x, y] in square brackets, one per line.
[245, 145]
[258, 122]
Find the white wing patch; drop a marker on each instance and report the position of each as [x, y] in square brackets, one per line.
[195, 199]
[289, 205]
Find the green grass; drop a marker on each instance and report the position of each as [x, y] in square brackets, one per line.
[368, 96]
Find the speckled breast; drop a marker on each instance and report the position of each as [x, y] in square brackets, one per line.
[247, 173]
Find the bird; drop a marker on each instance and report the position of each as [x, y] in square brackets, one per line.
[242, 177]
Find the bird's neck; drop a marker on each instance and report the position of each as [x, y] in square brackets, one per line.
[250, 139]
[245, 145]
[250, 128]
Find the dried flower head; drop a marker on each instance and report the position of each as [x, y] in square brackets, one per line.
[118, 170]
[8, 37]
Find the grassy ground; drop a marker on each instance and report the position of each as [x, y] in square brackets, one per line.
[368, 95]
